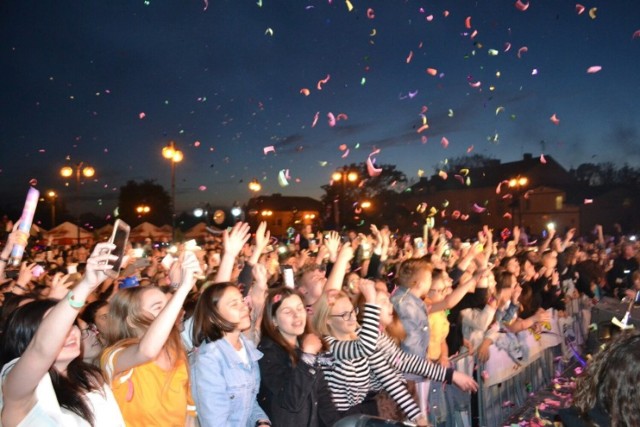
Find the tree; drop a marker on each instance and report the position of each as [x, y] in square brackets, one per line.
[375, 189]
[148, 193]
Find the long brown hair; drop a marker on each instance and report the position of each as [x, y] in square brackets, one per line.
[208, 323]
[275, 298]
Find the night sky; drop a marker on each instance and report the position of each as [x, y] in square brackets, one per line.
[111, 82]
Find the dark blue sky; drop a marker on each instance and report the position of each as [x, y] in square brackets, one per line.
[225, 82]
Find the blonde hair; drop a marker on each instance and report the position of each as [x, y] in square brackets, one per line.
[322, 311]
[128, 322]
[409, 269]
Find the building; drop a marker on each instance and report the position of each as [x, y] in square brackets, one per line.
[531, 192]
[283, 212]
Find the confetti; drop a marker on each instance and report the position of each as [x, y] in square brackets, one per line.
[409, 57]
[467, 23]
[33, 182]
[142, 116]
[349, 5]
[444, 142]
[269, 149]
[507, 47]
[507, 215]
[592, 12]
[455, 214]
[315, 119]
[588, 201]
[423, 128]
[594, 69]
[580, 8]
[206, 5]
[371, 169]
[331, 119]
[269, 31]
[450, 113]
[346, 153]
[323, 82]
[521, 6]
[498, 188]
[343, 116]
[202, 188]
[478, 209]
[542, 159]
[470, 149]
[459, 178]
[522, 50]
[196, 144]
[493, 52]
[283, 177]
[304, 91]
[442, 174]
[636, 34]
[370, 13]
[342, 147]
[499, 110]
[432, 71]
[554, 119]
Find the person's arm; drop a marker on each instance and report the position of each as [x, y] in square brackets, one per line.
[210, 389]
[233, 242]
[20, 384]
[546, 242]
[154, 339]
[262, 241]
[257, 295]
[365, 344]
[6, 251]
[334, 281]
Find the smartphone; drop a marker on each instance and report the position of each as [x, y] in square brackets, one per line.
[119, 238]
[72, 269]
[287, 273]
[418, 242]
[138, 252]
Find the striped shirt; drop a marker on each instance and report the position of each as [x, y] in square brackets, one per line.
[351, 378]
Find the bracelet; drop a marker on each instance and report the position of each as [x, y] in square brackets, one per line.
[73, 303]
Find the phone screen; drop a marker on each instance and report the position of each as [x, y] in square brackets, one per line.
[287, 272]
[119, 238]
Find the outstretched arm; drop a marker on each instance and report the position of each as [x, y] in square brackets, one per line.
[21, 382]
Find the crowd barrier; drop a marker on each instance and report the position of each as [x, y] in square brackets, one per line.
[506, 382]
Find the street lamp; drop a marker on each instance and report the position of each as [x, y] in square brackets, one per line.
[343, 176]
[52, 195]
[517, 184]
[81, 169]
[171, 153]
[142, 210]
[255, 185]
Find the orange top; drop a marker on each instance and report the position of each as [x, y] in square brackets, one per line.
[147, 394]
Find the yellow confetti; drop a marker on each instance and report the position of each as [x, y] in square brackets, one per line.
[492, 52]
[349, 5]
[373, 32]
[499, 110]
[592, 12]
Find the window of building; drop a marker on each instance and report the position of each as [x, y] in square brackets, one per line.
[559, 200]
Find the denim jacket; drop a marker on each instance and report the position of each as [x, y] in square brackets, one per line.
[413, 314]
[223, 387]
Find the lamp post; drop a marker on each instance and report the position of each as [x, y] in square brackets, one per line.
[142, 210]
[81, 169]
[342, 176]
[517, 184]
[171, 153]
[52, 195]
[255, 185]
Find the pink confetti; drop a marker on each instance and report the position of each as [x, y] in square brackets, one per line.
[423, 139]
[554, 119]
[432, 71]
[522, 50]
[464, 217]
[507, 215]
[636, 34]
[304, 91]
[142, 116]
[315, 119]
[475, 84]
[455, 214]
[444, 142]
[196, 144]
[521, 6]
[409, 57]
[342, 147]
[580, 8]
[445, 13]
[370, 13]
[594, 69]
[206, 5]
[470, 149]
[578, 370]
[507, 47]
[269, 149]
[588, 201]
[202, 188]
[478, 209]
[371, 169]
[342, 116]
[467, 23]
[33, 182]
[331, 119]
[323, 82]
[429, 18]
[346, 153]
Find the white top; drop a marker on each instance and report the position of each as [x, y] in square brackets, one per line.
[47, 411]
[243, 355]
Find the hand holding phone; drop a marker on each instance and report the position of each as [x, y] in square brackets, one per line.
[287, 273]
[119, 238]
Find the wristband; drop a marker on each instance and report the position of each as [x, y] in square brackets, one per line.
[73, 303]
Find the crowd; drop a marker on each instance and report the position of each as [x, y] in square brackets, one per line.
[214, 335]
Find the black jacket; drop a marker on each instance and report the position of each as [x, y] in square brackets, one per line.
[293, 396]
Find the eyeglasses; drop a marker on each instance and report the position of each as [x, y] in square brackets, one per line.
[347, 314]
[84, 333]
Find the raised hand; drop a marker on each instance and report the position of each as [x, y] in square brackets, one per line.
[262, 237]
[368, 290]
[234, 240]
[332, 242]
[98, 264]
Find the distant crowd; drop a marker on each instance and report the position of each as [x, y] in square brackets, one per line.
[242, 329]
